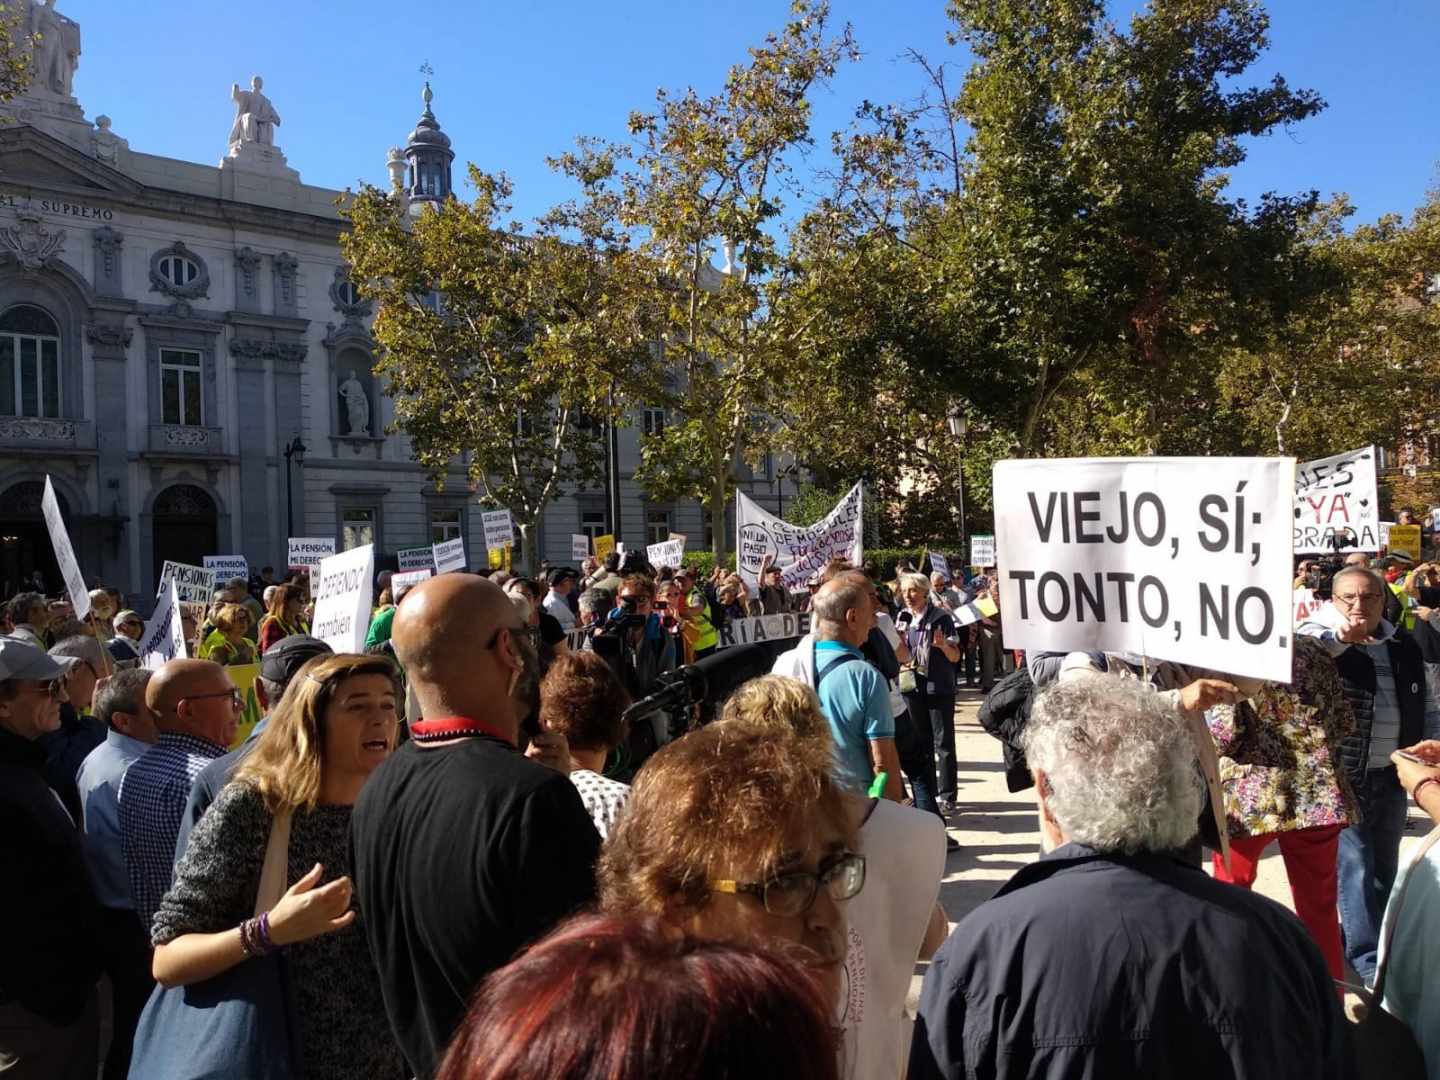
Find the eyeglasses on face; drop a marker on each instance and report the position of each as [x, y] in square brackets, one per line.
[53, 687]
[234, 695]
[1351, 599]
[532, 632]
[794, 893]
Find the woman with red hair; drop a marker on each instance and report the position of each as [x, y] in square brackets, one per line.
[603, 998]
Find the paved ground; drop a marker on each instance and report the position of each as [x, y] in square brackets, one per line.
[998, 835]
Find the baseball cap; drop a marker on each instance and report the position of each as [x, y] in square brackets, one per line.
[288, 655]
[128, 616]
[559, 574]
[20, 660]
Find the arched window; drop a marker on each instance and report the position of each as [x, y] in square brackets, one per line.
[29, 362]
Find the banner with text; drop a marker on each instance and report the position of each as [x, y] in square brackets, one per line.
[671, 553]
[1405, 540]
[758, 628]
[164, 635]
[407, 579]
[499, 529]
[579, 545]
[305, 552]
[1306, 605]
[64, 552]
[195, 584]
[799, 551]
[227, 567]
[604, 545]
[450, 555]
[421, 558]
[939, 564]
[982, 551]
[1184, 559]
[1336, 498]
[342, 592]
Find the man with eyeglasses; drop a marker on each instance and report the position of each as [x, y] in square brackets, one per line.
[197, 712]
[1383, 673]
[49, 952]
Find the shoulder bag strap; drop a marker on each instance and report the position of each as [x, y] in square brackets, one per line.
[839, 661]
[1392, 914]
[275, 869]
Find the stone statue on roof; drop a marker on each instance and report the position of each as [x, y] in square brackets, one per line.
[255, 118]
[57, 48]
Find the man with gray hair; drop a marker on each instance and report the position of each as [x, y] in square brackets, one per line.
[1110, 957]
[1383, 673]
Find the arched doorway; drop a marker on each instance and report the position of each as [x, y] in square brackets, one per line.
[24, 541]
[184, 520]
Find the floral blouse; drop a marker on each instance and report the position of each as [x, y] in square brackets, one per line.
[1278, 751]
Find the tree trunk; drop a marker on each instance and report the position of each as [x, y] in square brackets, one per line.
[719, 534]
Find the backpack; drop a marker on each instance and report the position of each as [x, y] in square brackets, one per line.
[1004, 714]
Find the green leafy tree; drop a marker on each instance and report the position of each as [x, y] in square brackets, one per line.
[15, 49]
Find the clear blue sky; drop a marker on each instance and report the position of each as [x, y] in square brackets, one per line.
[515, 82]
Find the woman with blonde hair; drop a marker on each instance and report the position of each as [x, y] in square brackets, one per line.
[250, 885]
[227, 644]
[284, 616]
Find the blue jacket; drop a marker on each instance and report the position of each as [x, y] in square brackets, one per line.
[1095, 967]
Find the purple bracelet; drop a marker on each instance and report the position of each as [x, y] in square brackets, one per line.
[248, 944]
[263, 926]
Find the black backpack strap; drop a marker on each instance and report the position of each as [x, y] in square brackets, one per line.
[839, 661]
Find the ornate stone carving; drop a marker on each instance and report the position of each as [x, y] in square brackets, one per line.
[198, 287]
[286, 267]
[247, 262]
[346, 299]
[191, 438]
[35, 429]
[114, 336]
[108, 243]
[105, 144]
[260, 349]
[30, 240]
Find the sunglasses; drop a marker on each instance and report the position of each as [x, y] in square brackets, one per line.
[53, 687]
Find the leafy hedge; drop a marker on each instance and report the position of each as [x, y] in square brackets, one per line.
[703, 562]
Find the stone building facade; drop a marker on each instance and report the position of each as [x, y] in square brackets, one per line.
[171, 331]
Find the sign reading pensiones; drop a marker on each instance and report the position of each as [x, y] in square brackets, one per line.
[195, 584]
[1336, 499]
[1184, 559]
[342, 591]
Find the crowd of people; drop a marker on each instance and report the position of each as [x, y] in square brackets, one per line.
[479, 850]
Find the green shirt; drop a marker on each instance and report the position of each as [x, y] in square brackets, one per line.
[380, 627]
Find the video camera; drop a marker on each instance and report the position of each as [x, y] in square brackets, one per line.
[623, 619]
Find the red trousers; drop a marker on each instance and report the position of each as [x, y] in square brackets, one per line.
[1311, 857]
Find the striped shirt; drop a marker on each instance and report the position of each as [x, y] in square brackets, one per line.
[153, 794]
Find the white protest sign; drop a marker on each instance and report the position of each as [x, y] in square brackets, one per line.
[195, 584]
[671, 553]
[1336, 497]
[1306, 604]
[939, 564]
[982, 550]
[64, 553]
[422, 558]
[227, 567]
[1384, 534]
[499, 530]
[407, 579]
[449, 555]
[764, 628]
[579, 546]
[342, 591]
[164, 635]
[798, 551]
[1184, 559]
[305, 552]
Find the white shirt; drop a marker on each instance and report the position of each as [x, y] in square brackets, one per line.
[559, 609]
[603, 798]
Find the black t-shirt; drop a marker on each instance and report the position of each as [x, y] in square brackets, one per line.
[462, 854]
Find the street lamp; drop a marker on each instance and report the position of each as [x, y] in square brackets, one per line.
[959, 427]
[294, 450]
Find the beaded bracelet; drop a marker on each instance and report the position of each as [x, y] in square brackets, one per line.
[263, 928]
[1421, 787]
[248, 943]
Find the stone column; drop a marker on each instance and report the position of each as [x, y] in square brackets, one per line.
[254, 446]
[288, 367]
[109, 338]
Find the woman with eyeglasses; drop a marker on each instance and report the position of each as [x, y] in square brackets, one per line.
[737, 832]
[333, 727]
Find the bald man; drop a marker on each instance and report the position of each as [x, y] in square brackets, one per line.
[463, 850]
[197, 711]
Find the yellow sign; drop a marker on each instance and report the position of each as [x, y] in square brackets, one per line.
[986, 607]
[604, 545]
[243, 676]
[501, 558]
[1405, 540]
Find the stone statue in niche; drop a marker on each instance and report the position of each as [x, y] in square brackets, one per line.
[255, 118]
[57, 48]
[357, 406]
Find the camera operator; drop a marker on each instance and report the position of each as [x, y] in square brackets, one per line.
[634, 642]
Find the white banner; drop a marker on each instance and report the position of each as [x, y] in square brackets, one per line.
[195, 584]
[305, 552]
[764, 628]
[1337, 497]
[1384, 534]
[982, 551]
[1184, 559]
[939, 564]
[342, 591]
[499, 529]
[227, 566]
[579, 546]
[64, 553]
[1306, 605]
[164, 635]
[408, 579]
[449, 555]
[799, 551]
[422, 558]
[671, 553]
